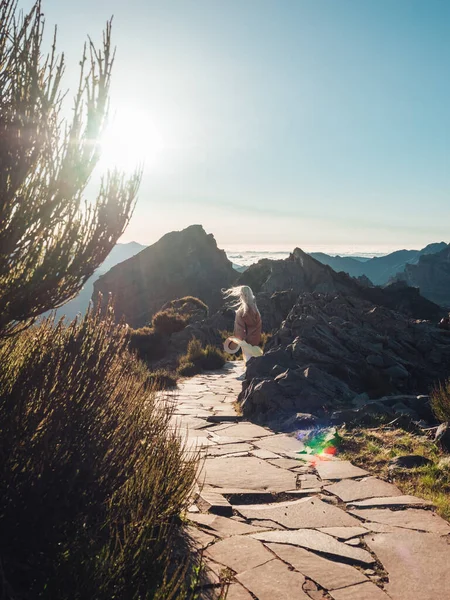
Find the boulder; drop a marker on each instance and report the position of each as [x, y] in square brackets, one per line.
[442, 436]
[409, 461]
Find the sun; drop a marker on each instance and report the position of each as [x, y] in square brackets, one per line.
[131, 139]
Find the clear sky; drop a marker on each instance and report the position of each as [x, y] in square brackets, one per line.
[275, 123]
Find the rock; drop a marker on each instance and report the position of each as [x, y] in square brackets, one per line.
[409, 461]
[323, 342]
[397, 372]
[239, 553]
[329, 574]
[348, 490]
[274, 580]
[376, 360]
[297, 421]
[299, 514]
[181, 263]
[417, 564]
[442, 436]
[409, 518]
[317, 541]
[361, 399]
[402, 409]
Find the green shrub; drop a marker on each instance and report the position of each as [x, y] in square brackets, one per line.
[188, 369]
[194, 351]
[148, 343]
[212, 358]
[440, 401]
[198, 359]
[168, 322]
[93, 477]
[189, 300]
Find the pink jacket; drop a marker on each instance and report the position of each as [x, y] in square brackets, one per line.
[248, 327]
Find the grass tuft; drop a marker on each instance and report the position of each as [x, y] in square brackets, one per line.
[198, 359]
[168, 321]
[440, 401]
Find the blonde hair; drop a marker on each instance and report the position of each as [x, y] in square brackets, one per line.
[244, 299]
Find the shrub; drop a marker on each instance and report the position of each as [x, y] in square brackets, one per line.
[212, 358]
[162, 379]
[188, 300]
[93, 477]
[188, 369]
[440, 401]
[168, 322]
[148, 343]
[198, 359]
[50, 242]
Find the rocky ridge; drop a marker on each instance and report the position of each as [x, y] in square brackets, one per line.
[332, 348]
[303, 274]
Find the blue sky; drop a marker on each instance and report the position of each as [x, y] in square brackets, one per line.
[275, 123]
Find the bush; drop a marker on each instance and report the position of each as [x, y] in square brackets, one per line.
[212, 358]
[188, 369]
[168, 322]
[188, 300]
[93, 477]
[162, 379]
[198, 359]
[148, 343]
[440, 401]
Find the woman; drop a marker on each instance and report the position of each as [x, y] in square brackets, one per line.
[247, 324]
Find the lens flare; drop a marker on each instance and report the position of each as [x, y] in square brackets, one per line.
[319, 442]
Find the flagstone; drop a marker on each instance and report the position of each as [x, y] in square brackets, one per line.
[317, 541]
[299, 514]
[239, 553]
[237, 592]
[327, 573]
[338, 469]
[274, 580]
[247, 472]
[416, 563]
[391, 501]
[200, 538]
[223, 527]
[280, 443]
[372, 487]
[264, 454]
[361, 591]
[248, 430]
[410, 518]
[344, 533]
[223, 449]
[285, 463]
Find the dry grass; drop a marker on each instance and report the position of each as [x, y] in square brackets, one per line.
[168, 322]
[93, 477]
[440, 401]
[372, 449]
[198, 359]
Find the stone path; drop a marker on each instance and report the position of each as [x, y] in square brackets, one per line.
[273, 523]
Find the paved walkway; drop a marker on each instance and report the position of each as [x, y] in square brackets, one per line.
[275, 523]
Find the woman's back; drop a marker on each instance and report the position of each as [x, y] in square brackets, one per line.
[248, 326]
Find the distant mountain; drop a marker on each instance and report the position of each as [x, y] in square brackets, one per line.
[181, 263]
[80, 304]
[302, 273]
[431, 274]
[378, 269]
